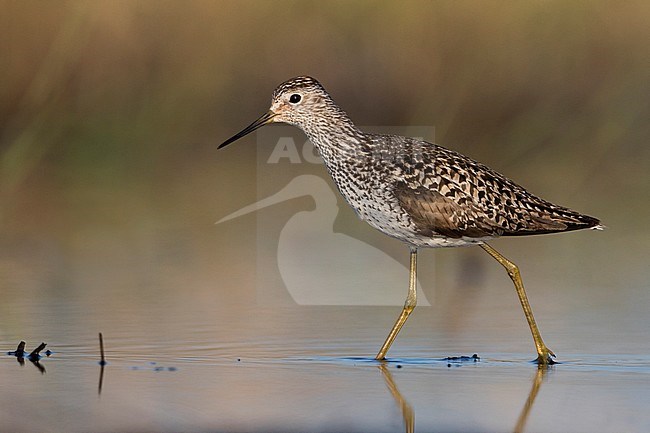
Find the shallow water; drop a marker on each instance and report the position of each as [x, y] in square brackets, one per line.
[185, 365]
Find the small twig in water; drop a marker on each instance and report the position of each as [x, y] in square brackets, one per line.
[101, 349]
[35, 355]
[20, 350]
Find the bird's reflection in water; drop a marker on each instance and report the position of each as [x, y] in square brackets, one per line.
[407, 411]
[408, 414]
[525, 412]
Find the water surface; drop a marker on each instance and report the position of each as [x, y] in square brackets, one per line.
[180, 364]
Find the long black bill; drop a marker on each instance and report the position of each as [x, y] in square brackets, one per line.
[266, 118]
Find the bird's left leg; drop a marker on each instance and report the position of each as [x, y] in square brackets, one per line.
[544, 354]
[409, 306]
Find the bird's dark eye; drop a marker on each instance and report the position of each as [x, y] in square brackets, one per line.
[295, 98]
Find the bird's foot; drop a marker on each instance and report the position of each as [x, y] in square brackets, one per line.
[545, 357]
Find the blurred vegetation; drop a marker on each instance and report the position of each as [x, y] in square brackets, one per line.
[109, 90]
[110, 110]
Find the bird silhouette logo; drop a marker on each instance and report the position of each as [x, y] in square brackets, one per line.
[321, 267]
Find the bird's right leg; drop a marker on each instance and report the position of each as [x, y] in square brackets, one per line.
[544, 354]
[409, 306]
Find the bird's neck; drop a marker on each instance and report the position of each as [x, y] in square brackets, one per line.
[336, 137]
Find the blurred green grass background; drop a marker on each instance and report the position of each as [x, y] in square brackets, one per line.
[111, 111]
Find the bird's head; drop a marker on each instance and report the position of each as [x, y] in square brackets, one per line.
[297, 102]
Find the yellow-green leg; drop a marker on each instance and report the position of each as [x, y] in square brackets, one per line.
[409, 305]
[544, 354]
